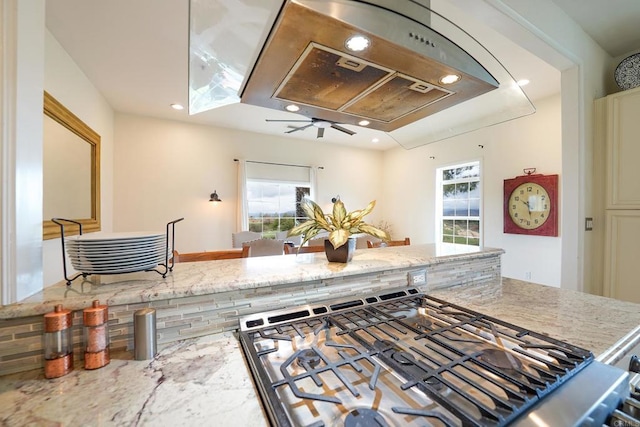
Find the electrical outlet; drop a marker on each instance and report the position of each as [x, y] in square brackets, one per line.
[527, 275]
[417, 278]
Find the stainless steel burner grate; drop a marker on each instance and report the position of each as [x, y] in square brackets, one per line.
[401, 359]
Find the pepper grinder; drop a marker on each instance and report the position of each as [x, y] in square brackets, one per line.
[58, 343]
[96, 336]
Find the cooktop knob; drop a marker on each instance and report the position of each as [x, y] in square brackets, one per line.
[634, 364]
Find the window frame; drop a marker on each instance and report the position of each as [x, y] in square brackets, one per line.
[296, 218]
[439, 215]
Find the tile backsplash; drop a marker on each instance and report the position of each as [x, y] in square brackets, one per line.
[21, 339]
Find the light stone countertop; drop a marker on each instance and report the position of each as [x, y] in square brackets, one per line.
[204, 381]
[196, 382]
[209, 277]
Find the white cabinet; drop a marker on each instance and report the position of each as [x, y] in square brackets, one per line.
[616, 161]
[622, 260]
[622, 135]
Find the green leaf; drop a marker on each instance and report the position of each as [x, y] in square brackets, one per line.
[339, 213]
[339, 237]
[302, 228]
[376, 232]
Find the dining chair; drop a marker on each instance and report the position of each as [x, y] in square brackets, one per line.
[362, 241]
[263, 247]
[381, 244]
[302, 249]
[237, 239]
[318, 241]
[283, 235]
[207, 255]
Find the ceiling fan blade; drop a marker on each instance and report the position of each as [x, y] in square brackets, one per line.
[320, 133]
[342, 129]
[276, 120]
[300, 128]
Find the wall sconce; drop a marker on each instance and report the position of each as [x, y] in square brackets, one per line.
[214, 197]
[335, 199]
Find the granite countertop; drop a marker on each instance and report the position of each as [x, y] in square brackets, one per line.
[201, 381]
[205, 380]
[209, 277]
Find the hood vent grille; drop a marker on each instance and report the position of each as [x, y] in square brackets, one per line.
[325, 78]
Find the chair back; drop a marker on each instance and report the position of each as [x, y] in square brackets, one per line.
[381, 244]
[318, 242]
[302, 249]
[206, 256]
[283, 235]
[263, 247]
[362, 241]
[237, 239]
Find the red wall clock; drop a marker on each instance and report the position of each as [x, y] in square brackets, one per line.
[531, 205]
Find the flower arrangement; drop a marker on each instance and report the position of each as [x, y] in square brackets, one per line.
[340, 224]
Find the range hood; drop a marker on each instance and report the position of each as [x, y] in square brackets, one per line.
[395, 84]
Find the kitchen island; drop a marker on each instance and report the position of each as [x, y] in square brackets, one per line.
[203, 298]
[204, 380]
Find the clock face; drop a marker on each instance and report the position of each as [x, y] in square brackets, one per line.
[529, 206]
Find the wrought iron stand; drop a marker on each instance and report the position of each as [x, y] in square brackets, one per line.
[171, 226]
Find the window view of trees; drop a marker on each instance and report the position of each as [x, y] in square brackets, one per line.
[274, 206]
[461, 204]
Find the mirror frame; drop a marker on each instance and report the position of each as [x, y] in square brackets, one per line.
[58, 112]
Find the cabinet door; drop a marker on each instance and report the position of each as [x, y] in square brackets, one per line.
[623, 150]
[622, 255]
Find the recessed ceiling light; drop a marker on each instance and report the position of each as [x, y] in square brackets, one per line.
[177, 107]
[375, 140]
[522, 82]
[363, 122]
[357, 43]
[292, 107]
[449, 79]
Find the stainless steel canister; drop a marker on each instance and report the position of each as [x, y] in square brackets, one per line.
[144, 334]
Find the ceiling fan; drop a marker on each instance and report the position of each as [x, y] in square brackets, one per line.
[319, 123]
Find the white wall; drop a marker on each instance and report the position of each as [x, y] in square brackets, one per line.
[21, 41]
[166, 170]
[508, 148]
[66, 82]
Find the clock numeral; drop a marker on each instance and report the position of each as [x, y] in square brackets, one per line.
[529, 189]
[541, 215]
[536, 221]
[515, 215]
[513, 207]
[517, 198]
[546, 206]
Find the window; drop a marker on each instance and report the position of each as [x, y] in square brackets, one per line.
[274, 206]
[458, 214]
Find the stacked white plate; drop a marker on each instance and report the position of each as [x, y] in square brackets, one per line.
[112, 253]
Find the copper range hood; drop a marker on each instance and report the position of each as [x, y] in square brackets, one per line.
[396, 81]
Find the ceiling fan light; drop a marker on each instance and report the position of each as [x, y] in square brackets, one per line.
[322, 124]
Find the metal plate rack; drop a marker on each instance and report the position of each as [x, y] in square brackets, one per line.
[170, 234]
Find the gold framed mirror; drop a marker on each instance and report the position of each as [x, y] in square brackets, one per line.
[71, 171]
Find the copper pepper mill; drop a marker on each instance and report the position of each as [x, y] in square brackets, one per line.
[58, 343]
[96, 336]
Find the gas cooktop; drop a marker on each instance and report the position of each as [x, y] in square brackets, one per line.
[403, 358]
